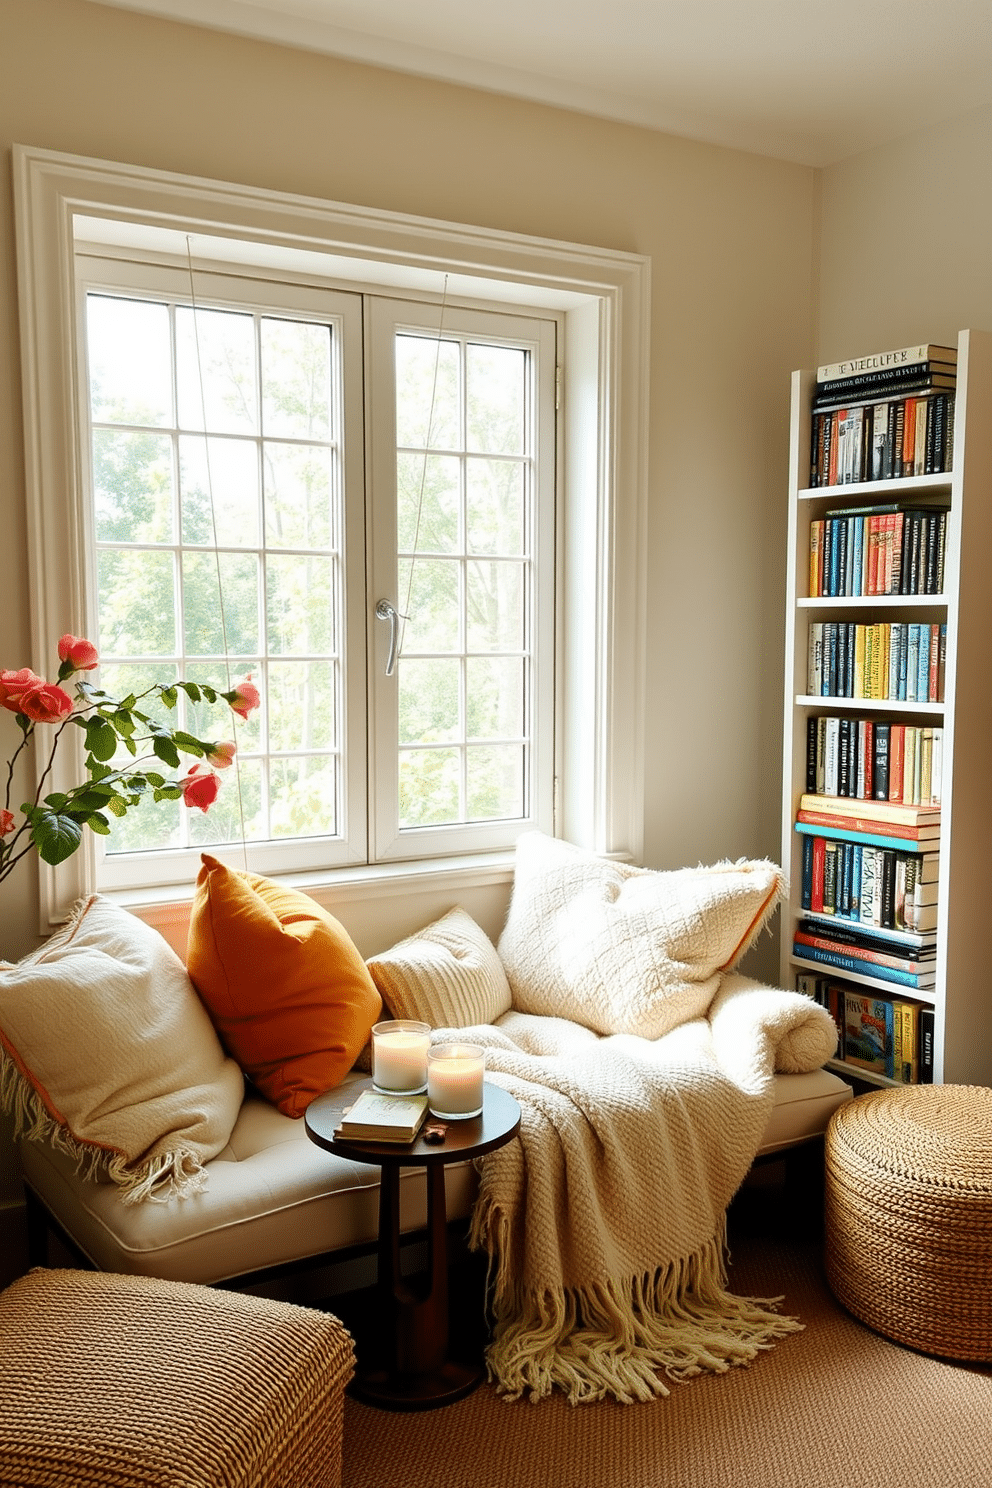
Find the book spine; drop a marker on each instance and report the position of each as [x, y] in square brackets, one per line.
[870, 826]
[926, 1050]
[841, 961]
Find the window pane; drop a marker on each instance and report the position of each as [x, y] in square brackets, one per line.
[429, 787]
[495, 506]
[218, 483]
[495, 782]
[494, 697]
[300, 605]
[428, 503]
[427, 393]
[495, 606]
[302, 699]
[130, 361]
[220, 604]
[296, 379]
[215, 371]
[298, 497]
[429, 707]
[238, 806]
[495, 381]
[132, 486]
[434, 609]
[215, 722]
[137, 603]
[303, 797]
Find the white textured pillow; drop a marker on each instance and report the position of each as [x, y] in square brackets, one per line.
[623, 949]
[107, 1052]
[447, 975]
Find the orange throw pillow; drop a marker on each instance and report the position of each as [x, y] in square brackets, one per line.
[284, 984]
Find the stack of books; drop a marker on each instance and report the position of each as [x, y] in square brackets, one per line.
[383, 1118]
[884, 417]
[882, 1035]
[872, 759]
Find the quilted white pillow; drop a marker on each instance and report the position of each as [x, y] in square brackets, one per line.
[623, 949]
[447, 975]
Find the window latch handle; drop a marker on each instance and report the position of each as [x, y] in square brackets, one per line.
[385, 611]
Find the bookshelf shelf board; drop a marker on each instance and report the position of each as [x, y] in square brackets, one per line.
[871, 705]
[879, 490]
[912, 603]
[870, 1077]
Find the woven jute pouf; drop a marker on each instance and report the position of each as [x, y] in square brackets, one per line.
[908, 1216]
[130, 1382]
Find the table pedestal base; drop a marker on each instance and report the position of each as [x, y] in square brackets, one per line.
[409, 1392]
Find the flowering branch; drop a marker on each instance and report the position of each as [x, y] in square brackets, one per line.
[53, 824]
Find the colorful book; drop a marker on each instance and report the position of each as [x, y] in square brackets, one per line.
[868, 1033]
[857, 966]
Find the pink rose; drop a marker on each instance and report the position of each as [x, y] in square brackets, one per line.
[6, 823]
[244, 697]
[25, 692]
[222, 755]
[200, 787]
[81, 653]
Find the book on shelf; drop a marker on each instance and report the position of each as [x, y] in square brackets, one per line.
[922, 943]
[875, 760]
[383, 1118]
[860, 966]
[886, 1035]
[871, 887]
[877, 837]
[927, 834]
[886, 361]
[868, 391]
[910, 433]
[903, 812]
[887, 661]
[919, 966]
[853, 555]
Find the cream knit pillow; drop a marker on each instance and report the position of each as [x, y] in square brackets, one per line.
[447, 975]
[623, 949]
[107, 1052]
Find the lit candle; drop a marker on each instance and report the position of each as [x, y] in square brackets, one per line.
[454, 1079]
[399, 1057]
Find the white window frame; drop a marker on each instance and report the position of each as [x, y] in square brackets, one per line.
[603, 297]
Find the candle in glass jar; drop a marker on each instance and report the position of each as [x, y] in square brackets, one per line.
[454, 1080]
[399, 1057]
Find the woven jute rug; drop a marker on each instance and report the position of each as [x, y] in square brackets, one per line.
[831, 1407]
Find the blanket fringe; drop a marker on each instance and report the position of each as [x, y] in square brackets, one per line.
[168, 1175]
[619, 1338]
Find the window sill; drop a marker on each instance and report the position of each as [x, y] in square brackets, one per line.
[337, 889]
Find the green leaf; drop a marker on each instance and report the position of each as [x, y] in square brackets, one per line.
[117, 805]
[98, 824]
[101, 739]
[170, 696]
[164, 749]
[192, 691]
[187, 743]
[154, 778]
[56, 800]
[167, 793]
[55, 836]
[122, 721]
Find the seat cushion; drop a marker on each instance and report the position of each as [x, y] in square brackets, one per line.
[272, 1197]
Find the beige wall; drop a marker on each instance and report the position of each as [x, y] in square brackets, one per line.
[906, 252]
[730, 238]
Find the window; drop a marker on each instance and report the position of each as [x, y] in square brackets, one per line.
[516, 695]
[229, 518]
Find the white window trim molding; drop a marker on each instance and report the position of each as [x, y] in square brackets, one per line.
[604, 295]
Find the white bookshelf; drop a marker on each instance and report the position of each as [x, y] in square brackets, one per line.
[962, 996]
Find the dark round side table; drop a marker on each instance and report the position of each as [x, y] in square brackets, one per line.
[417, 1373]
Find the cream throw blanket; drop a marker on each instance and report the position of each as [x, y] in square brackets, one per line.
[605, 1222]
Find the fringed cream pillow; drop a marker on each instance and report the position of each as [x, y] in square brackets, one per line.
[107, 1052]
[447, 975]
[623, 949]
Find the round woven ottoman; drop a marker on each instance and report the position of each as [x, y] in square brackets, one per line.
[908, 1216]
[129, 1382]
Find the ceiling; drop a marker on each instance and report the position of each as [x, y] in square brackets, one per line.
[799, 80]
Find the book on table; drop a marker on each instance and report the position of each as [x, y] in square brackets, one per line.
[383, 1118]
